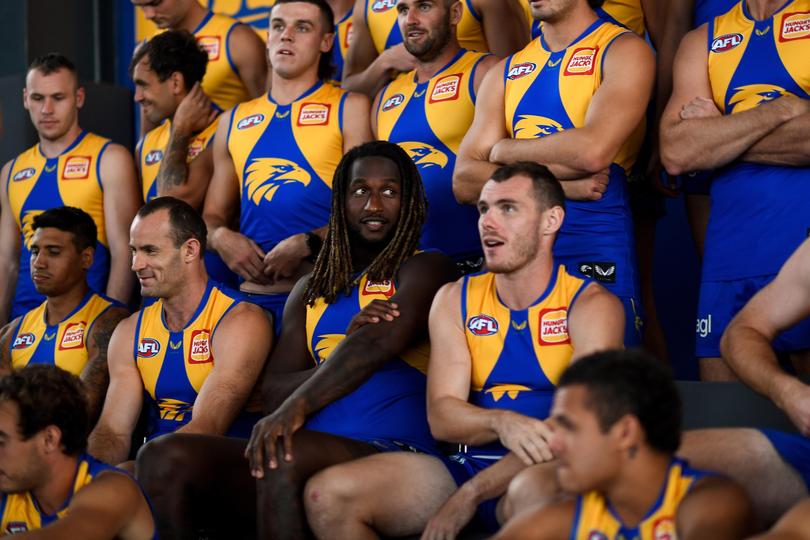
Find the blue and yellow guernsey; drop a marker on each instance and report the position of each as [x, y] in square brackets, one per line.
[21, 513]
[765, 206]
[343, 35]
[381, 19]
[595, 519]
[63, 344]
[221, 82]
[517, 355]
[627, 13]
[175, 365]
[37, 183]
[391, 405]
[429, 120]
[547, 92]
[285, 157]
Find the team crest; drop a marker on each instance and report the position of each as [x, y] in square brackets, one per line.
[250, 121]
[582, 62]
[373, 288]
[326, 344]
[795, 26]
[314, 114]
[425, 155]
[148, 348]
[77, 168]
[482, 325]
[521, 70]
[73, 338]
[24, 174]
[200, 350]
[23, 341]
[553, 327]
[753, 95]
[266, 175]
[211, 45]
[381, 6]
[726, 42]
[393, 102]
[153, 157]
[530, 126]
[446, 88]
[664, 529]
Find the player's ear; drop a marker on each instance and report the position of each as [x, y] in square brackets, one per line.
[455, 12]
[178, 83]
[51, 439]
[80, 97]
[87, 257]
[627, 433]
[553, 220]
[191, 250]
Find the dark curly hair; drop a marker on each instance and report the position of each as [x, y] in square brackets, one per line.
[170, 52]
[72, 220]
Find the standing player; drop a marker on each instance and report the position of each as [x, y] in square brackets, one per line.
[69, 167]
[274, 158]
[427, 112]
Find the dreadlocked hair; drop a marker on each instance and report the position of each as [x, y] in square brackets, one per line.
[333, 273]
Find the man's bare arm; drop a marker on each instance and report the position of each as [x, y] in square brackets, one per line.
[794, 525]
[96, 372]
[552, 522]
[788, 145]
[10, 246]
[504, 25]
[248, 54]
[6, 334]
[596, 322]
[122, 199]
[715, 508]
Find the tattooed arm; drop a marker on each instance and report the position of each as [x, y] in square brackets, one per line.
[96, 373]
[5, 346]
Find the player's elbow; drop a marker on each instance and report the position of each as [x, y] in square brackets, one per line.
[674, 155]
[438, 426]
[463, 189]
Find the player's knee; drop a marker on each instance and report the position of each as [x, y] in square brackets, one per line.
[532, 487]
[162, 463]
[330, 494]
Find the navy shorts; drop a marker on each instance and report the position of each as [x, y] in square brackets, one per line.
[794, 449]
[271, 303]
[462, 467]
[633, 321]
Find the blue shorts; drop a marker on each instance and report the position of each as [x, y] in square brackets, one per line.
[794, 449]
[462, 467]
[633, 321]
[696, 183]
[721, 300]
[271, 303]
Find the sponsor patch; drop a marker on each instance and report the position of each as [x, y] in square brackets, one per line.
[381, 6]
[795, 26]
[16, 527]
[73, 338]
[446, 88]
[148, 348]
[604, 272]
[250, 121]
[211, 45]
[77, 168]
[726, 42]
[521, 70]
[664, 529]
[195, 147]
[349, 34]
[482, 325]
[153, 157]
[314, 114]
[24, 174]
[553, 326]
[23, 341]
[200, 350]
[373, 288]
[582, 62]
[392, 102]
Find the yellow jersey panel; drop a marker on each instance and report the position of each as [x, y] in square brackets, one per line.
[221, 82]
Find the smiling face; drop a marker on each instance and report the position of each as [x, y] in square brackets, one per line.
[53, 102]
[426, 26]
[296, 39]
[156, 261]
[57, 265]
[158, 99]
[373, 200]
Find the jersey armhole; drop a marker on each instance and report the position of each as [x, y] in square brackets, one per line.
[8, 179]
[474, 13]
[709, 34]
[228, 49]
[343, 99]
[98, 165]
[11, 345]
[607, 48]
[463, 306]
[471, 82]
[135, 337]
[582, 287]
[506, 65]
[577, 516]
[230, 127]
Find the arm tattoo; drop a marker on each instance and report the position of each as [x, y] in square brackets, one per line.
[174, 167]
[96, 374]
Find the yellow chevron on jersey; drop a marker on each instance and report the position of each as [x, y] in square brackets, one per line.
[563, 101]
[63, 344]
[153, 149]
[628, 13]
[737, 80]
[221, 82]
[594, 519]
[517, 355]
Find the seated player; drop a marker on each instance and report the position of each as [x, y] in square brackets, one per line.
[335, 392]
[794, 525]
[196, 352]
[48, 482]
[72, 327]
[617, 423]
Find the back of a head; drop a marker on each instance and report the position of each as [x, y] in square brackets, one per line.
[623, 382]
[325, 68]
[72, 220]
[173, 51]
[46, 395]
[547, 190]
[185, 222]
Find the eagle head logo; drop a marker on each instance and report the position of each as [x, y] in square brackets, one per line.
[266, 175]
[326, 344]
[510, 390]
[28, 226]
[424, 155]
[534, 127]
[753, 95]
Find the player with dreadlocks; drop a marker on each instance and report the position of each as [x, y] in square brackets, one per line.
[336, 389]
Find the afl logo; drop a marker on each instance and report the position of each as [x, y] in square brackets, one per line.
[148, 348]
[25, 174]
[155, 156]
[250, 121]
[521, 70]
[23, 341]
[482, 325]
[392, 102]
[381, 6]
[726, 42]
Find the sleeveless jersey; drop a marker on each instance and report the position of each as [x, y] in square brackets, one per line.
[174, 365]
[389, 405]
[428, 121]
[595, 519]
[517, 355]
[20, 512]
[547, 92]
[153, 147]
[285, 157]
[343, 33]
[751, 63]
[221, 82]
[63, 344]
[627, 13]
[36, 183]
[381, 19]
